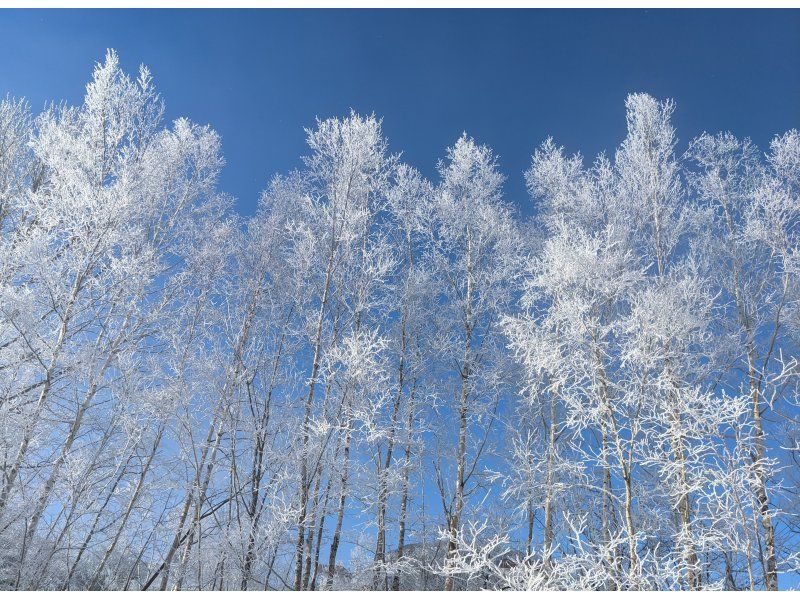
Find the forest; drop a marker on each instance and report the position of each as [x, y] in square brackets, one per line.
[383, 382]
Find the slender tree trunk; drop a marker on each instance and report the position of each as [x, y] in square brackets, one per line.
[633, 556]
[209, 453]
[257, 473]
[320, 533]
[455, 518]
[771, 574]
[187, 505]
[201, 498]
[78, 495]
[44, 497]
[548, 505]
[271, 568]
[685, 510]
[625, 466]
[340, 512]
[128, 509]
[312, 529]
[608, 506]
[454, 521]
[771, 569]
[94, 385]
[401, 531]
[380, 581]
[252, 514]
[304, 482]
[95, 522]
[27, 434]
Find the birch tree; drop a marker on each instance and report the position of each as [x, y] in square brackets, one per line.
[470, 249]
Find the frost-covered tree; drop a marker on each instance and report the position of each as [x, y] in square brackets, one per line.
[470, 252]
[98, 238]
[379, 382]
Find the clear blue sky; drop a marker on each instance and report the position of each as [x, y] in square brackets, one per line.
[509, 78]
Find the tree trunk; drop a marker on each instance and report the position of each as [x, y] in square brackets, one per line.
[771, 573]
[27, 434]
[380, 581]
[95, 522]
[187, 505]
[128, 510]
[401, 532]
[607, 507]
[311, 531]
[340, 512]
[201, 498]
[548, 505]
[304, 482]
[625, 467]
[454, 521]
[320, 532]
[44, 498]
[257, 473]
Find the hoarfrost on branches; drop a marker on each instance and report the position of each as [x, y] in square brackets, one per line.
[383, 382]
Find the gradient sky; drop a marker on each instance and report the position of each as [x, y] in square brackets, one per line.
[509, 78]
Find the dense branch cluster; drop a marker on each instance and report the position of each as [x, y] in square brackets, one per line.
[380, 381]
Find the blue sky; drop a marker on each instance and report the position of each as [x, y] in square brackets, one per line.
[509, 78]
